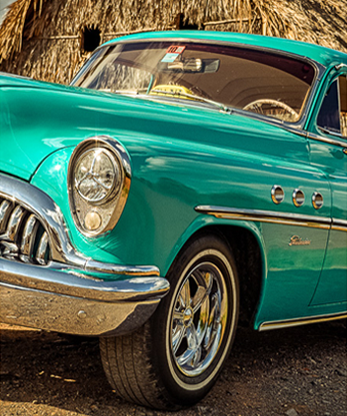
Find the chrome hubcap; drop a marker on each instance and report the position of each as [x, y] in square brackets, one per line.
[188, 317]
[199, 319]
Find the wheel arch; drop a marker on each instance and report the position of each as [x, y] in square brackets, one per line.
[250, 262]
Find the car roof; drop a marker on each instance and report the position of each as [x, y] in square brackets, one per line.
[320, 54]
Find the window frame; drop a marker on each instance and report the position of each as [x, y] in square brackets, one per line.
[326, 130]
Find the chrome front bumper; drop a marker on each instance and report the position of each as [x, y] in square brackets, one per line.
[75, 303]
[45, 283]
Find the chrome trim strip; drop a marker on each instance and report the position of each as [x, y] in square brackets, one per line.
[28, 238]
[75, 283]
[14, 223]
[4, 212]
[328, 140]
[41, 251]
[316, 137]
[339, 225]
[51, 217]
[331, 133]
[266, 216]
[265, 326]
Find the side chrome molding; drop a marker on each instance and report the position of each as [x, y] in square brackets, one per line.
[272, 217]
[265, 326]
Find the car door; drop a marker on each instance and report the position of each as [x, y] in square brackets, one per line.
[328, 151]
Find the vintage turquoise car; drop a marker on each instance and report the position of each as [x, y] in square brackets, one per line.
[186, 182]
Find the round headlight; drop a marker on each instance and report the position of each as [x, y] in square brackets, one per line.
[97, 175]
[99, 181]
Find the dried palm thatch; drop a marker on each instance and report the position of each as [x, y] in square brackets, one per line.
[45, 39]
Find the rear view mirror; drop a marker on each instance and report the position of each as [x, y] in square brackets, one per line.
[190, 65]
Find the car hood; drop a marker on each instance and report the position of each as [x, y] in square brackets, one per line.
[38, 119]
[34, 123]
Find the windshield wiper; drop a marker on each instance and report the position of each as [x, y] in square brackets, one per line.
[179, 94]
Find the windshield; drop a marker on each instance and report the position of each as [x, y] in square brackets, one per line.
[266, 83]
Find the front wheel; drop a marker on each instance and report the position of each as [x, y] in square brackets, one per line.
[175, 358]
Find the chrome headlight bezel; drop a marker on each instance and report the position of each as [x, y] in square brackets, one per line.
[109, 207]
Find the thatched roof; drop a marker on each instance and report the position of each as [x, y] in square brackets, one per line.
[44, 38]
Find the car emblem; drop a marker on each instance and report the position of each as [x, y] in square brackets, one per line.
[298, 241]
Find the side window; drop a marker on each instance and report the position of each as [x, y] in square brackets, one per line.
[343, 105]
[332, 116]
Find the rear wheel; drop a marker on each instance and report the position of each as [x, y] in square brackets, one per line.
[175, 358]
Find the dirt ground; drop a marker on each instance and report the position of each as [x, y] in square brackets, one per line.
[298, 371]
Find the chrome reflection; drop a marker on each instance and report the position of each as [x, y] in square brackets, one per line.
[18, 240]
[99, 178]
[52, 298]
[199, 319]
[265, 326]
[317, 200]
[62, 313]
[14, 223]
[42, 250]
[4, 213]
[271, 217]
[28, 238]
[49, 215]
[298, 197]
[277, 194]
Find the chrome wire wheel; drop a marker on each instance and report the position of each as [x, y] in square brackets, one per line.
[199, 319]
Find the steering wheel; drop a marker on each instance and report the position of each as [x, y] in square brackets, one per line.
[256, 106]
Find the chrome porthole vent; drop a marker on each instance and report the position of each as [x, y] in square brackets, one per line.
[99, 179]
[277, 194]
[298, 197]
[22, 235]
[317, 200]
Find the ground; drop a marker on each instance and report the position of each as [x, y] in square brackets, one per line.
[298, 371]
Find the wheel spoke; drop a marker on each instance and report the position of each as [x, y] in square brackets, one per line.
[187, 357]
[204, 280]
[211, 322]
[185, 294]
[190, 356]
[192, 338]
[199, 297]
[177, 336]
[209, 281]
[178, 315]
[203, 320]
[197, 357]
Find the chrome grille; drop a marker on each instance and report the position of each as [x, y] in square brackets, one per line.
[22, 235]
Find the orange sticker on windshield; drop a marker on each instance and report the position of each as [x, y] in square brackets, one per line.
[175, 49]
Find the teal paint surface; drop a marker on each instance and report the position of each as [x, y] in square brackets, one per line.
[184, 156]
[331, 160]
